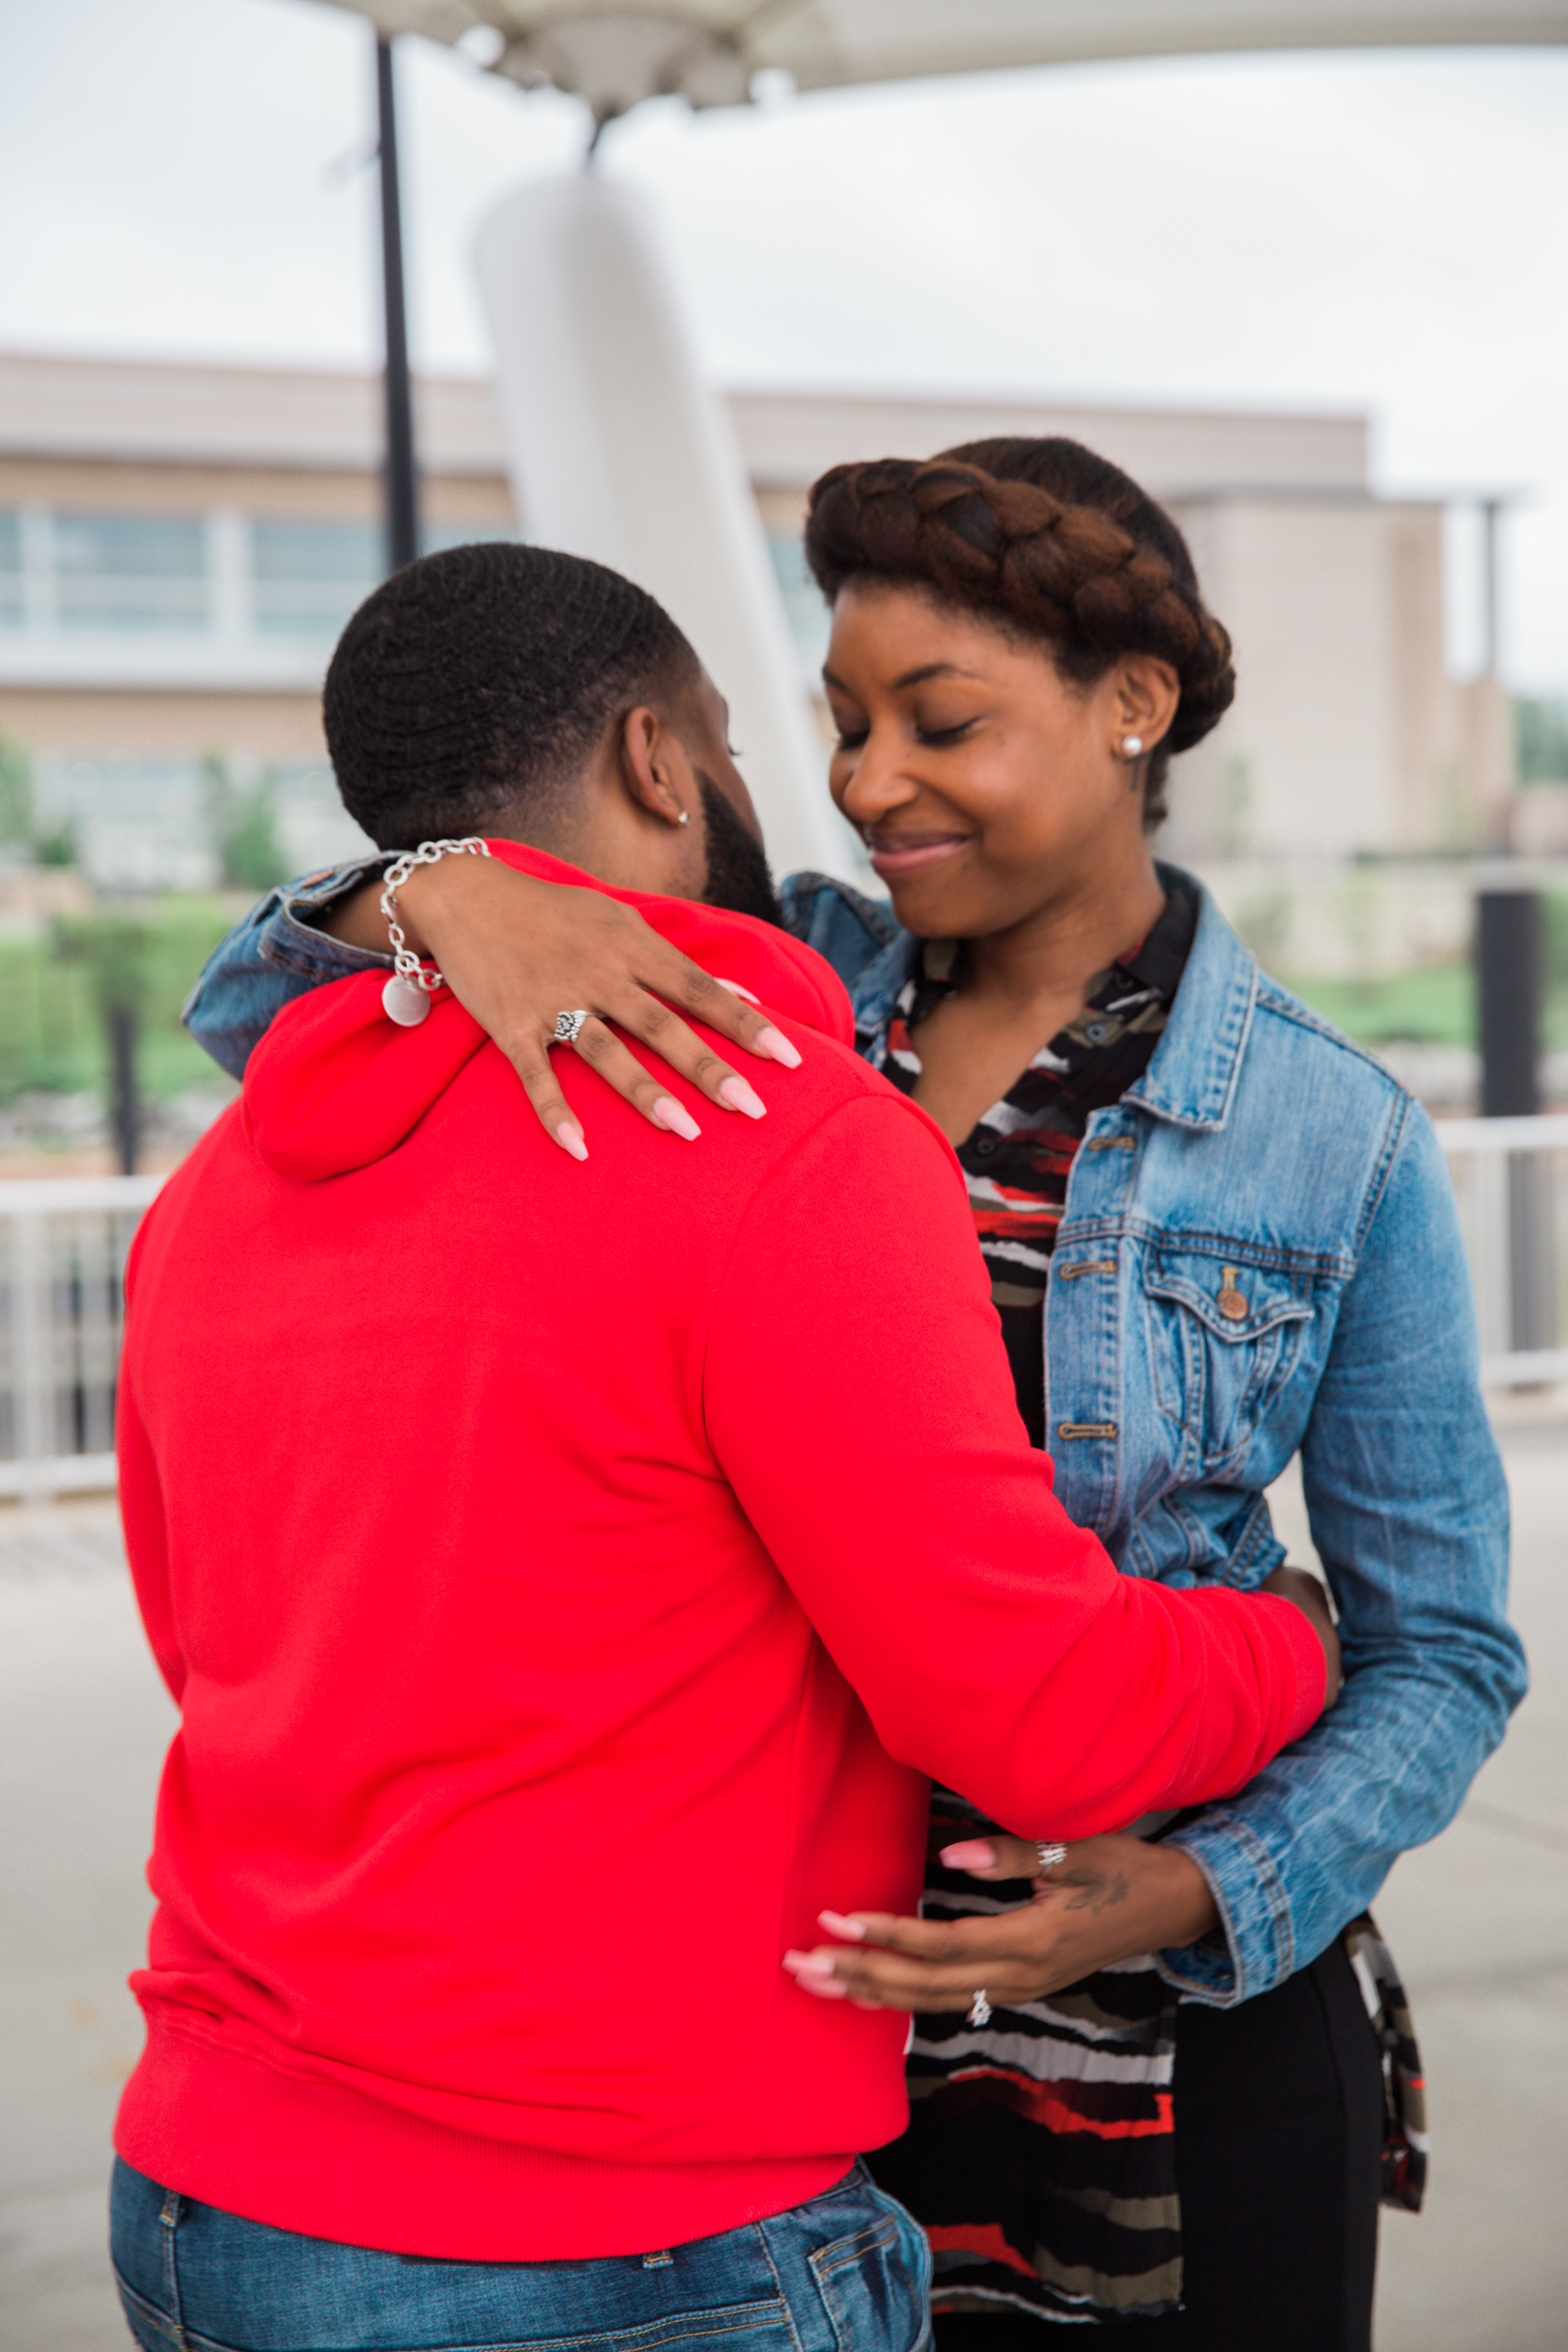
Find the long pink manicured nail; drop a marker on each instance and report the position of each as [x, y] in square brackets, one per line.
[808, 1974]
[814, 1964]
[570, 1139]
[677, 1117]
[837, 1925]
[773, 1041]
[736, 1095]
[973, 1853]
[735, 988]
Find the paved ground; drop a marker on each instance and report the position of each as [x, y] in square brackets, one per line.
[1479, 1921]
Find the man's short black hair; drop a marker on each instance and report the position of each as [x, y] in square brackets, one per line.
[484, 676]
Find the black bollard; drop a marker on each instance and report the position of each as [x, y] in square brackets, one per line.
[1509, 966]
[1508, 970]
[125, 1100]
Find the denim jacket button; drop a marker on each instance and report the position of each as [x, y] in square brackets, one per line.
[1231, 1302]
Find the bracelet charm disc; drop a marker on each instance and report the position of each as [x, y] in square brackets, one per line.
[404, 1001]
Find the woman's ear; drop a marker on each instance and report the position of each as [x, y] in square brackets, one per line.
[1147, 691]
[654, 767]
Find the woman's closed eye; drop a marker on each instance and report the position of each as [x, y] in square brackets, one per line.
[939, 735]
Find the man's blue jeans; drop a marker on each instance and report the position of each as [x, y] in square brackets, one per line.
[849, 2273]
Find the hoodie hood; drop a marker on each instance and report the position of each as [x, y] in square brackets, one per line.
[334, 1085]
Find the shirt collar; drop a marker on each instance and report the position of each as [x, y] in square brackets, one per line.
[1192, 1076]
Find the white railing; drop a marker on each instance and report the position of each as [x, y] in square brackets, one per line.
[63, 1244]
[62, 1263]
[1511, 1179]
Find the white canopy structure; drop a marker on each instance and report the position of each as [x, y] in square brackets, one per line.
[616, 449]
[708, 50]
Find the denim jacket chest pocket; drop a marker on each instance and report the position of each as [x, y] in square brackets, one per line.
[1226, 1336]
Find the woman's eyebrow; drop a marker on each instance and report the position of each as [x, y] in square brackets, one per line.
[911, 677]
[931, 669]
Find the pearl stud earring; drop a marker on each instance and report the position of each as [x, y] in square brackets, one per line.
[1131, 746]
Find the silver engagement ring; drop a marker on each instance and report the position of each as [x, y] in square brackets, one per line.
[568, 1026]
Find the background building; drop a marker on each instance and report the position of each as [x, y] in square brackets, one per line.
[180, 545]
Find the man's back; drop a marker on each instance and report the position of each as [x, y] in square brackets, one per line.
[503, 1526]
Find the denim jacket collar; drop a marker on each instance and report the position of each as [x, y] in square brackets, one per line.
[1191, 1080]
[875, 991]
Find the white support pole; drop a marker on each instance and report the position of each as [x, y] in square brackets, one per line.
[619, 452]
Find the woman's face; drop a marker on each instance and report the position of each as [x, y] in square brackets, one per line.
[987, 788]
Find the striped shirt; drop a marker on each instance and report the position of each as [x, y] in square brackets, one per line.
[1041, 2154]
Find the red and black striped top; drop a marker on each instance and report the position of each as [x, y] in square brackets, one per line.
[1019, 1155]
[1041, 2154]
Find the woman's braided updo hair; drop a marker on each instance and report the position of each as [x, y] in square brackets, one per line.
[1051, 543]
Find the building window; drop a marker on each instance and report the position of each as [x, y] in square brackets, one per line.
[805, 607]
[130, 572]
[13, 603]
[308, 577]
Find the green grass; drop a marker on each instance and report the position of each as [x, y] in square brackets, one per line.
[51, 1031]
[1436, 1003]
[1435, 1006]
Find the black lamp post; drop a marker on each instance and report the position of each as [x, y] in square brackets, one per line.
[401, 482]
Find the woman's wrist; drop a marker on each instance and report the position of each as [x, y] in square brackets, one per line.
[1127, 1896]
[1187, 1910]
[432, 896]
[357, 921]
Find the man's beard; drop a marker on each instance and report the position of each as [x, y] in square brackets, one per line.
[738, 876]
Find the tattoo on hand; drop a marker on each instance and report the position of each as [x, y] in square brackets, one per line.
[1098, 1894]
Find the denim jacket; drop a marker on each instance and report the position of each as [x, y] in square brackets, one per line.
[1262, 1156]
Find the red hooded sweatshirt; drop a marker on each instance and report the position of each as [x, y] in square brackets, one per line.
[567, 1575]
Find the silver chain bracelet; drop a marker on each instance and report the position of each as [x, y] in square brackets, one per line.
[405, 999]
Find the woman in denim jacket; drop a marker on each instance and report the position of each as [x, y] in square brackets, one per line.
[1147, 2092]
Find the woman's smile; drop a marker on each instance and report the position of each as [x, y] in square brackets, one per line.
[895, 854]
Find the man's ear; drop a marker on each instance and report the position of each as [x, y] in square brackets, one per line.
[652, 767]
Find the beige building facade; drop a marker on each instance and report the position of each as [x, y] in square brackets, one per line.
[180, 544]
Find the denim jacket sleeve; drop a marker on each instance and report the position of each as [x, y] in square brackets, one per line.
[271, 957]
[1408, 1508]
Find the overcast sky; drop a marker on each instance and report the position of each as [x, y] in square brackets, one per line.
[1381, 232]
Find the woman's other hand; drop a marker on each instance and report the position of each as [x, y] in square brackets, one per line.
[1305, 1593]
[1112, 1898]
[516, 952]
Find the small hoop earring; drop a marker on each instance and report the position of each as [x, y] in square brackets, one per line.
[1131, 745]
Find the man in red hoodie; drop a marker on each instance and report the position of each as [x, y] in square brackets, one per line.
[524, 1542]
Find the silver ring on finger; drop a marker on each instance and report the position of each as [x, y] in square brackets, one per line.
[1049, 1854]
[568, 1028]
[980, 2009]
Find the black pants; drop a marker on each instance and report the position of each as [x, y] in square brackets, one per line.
[1278, 2111]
